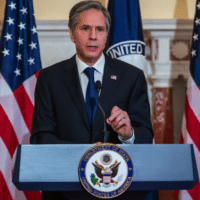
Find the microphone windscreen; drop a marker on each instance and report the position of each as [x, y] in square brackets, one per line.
[98, 85]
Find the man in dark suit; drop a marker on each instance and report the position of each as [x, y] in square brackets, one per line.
[60, 113]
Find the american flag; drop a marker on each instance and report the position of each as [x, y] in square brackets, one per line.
[113, 77]
[191, 120]
[19, 66]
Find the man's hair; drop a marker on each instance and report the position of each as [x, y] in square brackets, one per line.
[87, 5]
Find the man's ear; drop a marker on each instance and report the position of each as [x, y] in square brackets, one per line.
[71, 35]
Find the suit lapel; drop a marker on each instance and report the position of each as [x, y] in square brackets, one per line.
[72, 82]
[109, 85]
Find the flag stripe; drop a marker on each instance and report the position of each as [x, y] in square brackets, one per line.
[32, 195]
[20, 195]
[7, 133]
[7, 186]
[25, 105]
[6, 167]
[36, 74]
[184, 195]
[193, 125]
[4, 191]
[29, 86]
[193, 94]
[188, 140]
[12, 110]
[194, 192]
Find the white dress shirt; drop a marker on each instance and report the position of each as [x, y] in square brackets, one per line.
[98, 75]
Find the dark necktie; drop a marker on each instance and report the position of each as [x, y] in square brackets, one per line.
[91, 95]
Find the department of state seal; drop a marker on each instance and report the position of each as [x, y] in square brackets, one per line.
[106, 170]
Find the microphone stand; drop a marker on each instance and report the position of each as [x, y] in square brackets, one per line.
[105, 134]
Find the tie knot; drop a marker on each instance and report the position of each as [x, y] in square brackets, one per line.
[89, 71]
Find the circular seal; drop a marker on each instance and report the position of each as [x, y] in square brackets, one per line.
[106, 170]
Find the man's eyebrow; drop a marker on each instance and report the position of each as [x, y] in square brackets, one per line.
[85, 25]
[103, 27]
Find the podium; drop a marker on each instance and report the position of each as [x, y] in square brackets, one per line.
[55, 167]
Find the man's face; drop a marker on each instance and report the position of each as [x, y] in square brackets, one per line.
[90, 36]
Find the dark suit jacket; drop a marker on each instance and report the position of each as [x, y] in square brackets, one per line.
[60, 115]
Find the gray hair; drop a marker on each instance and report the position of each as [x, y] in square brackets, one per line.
[87, 5]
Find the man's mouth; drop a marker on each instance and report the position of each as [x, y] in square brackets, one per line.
[92, 48]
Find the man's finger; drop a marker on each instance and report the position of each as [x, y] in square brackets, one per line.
[114, 114]
[114, 109]
[97, 143]
[118, 119]
[122, 122]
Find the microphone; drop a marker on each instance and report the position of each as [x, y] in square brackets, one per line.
[98, 87]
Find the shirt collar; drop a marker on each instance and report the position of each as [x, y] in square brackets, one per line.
[99, 65]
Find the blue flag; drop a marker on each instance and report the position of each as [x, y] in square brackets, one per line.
[125, 39]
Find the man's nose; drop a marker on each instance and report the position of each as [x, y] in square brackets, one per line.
[93, 34]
